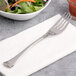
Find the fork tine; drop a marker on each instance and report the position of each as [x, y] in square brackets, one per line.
[57, 23]
[61, 24]
[62, 21]
[66, 22]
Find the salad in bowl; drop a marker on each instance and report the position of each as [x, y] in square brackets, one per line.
[22, 9]
[22, 6]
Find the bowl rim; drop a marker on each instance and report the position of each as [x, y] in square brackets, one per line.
[28, 13]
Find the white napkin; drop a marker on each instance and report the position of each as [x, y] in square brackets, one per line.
[43, 54]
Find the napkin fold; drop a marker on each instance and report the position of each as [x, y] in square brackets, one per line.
[41, 55]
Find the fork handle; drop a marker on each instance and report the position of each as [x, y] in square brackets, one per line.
[10, 63]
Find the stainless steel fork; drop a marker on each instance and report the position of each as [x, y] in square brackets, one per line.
[58, 28]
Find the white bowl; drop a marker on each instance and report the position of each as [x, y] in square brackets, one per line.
[22, 16]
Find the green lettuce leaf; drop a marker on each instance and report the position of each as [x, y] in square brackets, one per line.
[26, 8]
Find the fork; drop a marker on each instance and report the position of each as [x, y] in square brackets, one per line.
[58, 28]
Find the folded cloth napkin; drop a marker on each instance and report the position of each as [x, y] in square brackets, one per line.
[41, 55]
